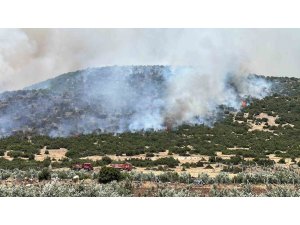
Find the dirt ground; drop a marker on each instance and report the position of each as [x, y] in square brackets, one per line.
[54, 154]
[10, 158]
[194, 172]
[217, 168]
[271, 122]
[7, 157]
[182, 159]
[271, 119]
[288, 161]
[124, 157]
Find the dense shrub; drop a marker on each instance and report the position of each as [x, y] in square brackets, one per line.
[44, 175]
[168, 177]
[106, 160]
[232, 169]
[222, 178]
[193, 165]
[108, 174]
[15, 154]
[31, 157]
[2, 152]
[46, 162]
[281, 161]
[20, 164]
[149, 154]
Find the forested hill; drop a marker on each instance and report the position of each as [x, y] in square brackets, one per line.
[267, 126]
[96, 99]
[118, 99]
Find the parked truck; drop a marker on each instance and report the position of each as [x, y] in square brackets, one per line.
[85, 166]
[122, 166]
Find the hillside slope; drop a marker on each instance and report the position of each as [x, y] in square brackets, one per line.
[128, 98]
[264, 132]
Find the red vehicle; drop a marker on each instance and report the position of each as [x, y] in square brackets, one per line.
[85, 166]
[122, 166]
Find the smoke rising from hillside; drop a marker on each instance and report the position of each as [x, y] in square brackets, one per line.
[118, 99]
[28, 56]
[209, 67]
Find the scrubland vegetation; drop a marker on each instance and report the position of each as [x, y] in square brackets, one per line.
[230, 132]
[233, 135]
[281, 183]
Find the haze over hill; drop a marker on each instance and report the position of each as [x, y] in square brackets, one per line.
[209, 72]
[28, 56]
[127, 98]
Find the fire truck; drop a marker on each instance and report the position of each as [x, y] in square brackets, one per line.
[85, 166]
[122, 166]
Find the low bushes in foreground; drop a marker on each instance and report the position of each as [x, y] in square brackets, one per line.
[57, 189]
[107, 174]
[124, 189]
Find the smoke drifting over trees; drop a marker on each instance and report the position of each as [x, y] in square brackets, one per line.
[208, 68]
[118, 99]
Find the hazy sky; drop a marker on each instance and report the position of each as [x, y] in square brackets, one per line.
[28, 56]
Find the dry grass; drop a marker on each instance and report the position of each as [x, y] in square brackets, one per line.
[6, 156]
[54, 154]
[271, 119]
[182, 159]
[193, 171]
[260, 127]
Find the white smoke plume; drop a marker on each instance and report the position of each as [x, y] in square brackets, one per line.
[203, 62]
[28, 56]
[132, 98]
